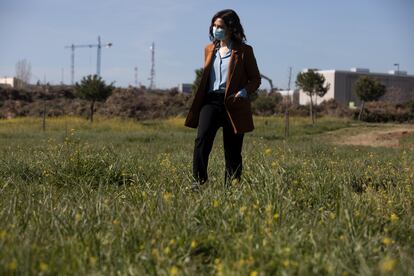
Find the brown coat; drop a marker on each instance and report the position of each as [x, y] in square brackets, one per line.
[243, 73]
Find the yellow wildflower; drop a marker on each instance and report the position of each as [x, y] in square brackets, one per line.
[387, 265]
[43, 267]
[154, 253]
[167, 250]
[167, 196]
[12, 265]
[216, 203]
[394, 218]
[3, 234]
[173, 271]
[269, 208]
[218, 266]
[268, 151]
[387, 241]
[193, 244]
[92, 260]
[78, 217]
[286, 251]
[254, 273]
[242, 210]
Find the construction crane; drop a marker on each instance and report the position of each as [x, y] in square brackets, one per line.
[98, 58]
[269, 80]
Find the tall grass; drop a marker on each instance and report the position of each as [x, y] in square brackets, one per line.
[113, 198]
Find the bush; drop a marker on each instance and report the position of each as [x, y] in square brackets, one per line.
[382, 112]
[333, 108]
[267, 104]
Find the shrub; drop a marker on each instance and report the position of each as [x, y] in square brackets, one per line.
[267, 104]
[382, 112]
[333, 108]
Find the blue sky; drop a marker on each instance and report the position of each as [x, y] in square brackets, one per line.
[322, 34]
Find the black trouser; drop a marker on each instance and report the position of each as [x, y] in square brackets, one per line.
[213, 115]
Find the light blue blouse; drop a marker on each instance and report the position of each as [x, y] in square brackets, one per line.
[219, 73]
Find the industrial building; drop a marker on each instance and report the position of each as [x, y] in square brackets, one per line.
[9, 82]
[399, 85]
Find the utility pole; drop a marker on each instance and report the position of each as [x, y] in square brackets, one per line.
[72, 63]
[287, 104]
[98, 58]
[62, 71]
[152, 73]
[46, 91]
[136, 76]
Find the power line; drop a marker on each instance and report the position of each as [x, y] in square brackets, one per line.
[136, 76]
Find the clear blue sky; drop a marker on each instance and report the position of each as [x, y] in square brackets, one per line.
[322, 34]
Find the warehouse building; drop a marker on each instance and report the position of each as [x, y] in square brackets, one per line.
[399, 85]
[9, 82]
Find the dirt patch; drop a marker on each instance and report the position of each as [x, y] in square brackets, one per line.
[389, 137]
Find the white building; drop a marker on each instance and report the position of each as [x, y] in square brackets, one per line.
[9, 81]
[399, 85]
[291, 95]
[185, 88]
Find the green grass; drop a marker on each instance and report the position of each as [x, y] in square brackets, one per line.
[113, 198]
[408, 139]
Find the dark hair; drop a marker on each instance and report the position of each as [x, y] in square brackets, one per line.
[232, 21]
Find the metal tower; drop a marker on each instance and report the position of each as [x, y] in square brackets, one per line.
[152, 74]
[136, 76]
[98, 58]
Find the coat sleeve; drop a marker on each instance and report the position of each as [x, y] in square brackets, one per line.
[253, 74]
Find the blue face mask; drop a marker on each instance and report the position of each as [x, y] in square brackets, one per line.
[219, 33]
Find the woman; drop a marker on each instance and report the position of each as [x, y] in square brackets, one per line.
[229, 76]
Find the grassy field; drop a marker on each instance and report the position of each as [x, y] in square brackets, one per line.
[113, 198]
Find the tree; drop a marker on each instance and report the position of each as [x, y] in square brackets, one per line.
[312, 83]
[368, 89]
[92, 88]
[197, 81]
[23, 72]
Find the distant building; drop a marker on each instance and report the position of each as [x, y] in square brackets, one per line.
[291, 95]
[185, 88]
[399, 85]
[10, 82]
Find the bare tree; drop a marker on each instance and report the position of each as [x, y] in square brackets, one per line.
[23, 72]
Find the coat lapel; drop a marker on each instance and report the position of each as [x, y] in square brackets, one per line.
[234, 59]
[209, 56]
[207, 65]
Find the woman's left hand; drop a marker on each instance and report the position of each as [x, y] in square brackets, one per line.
[242, 93]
